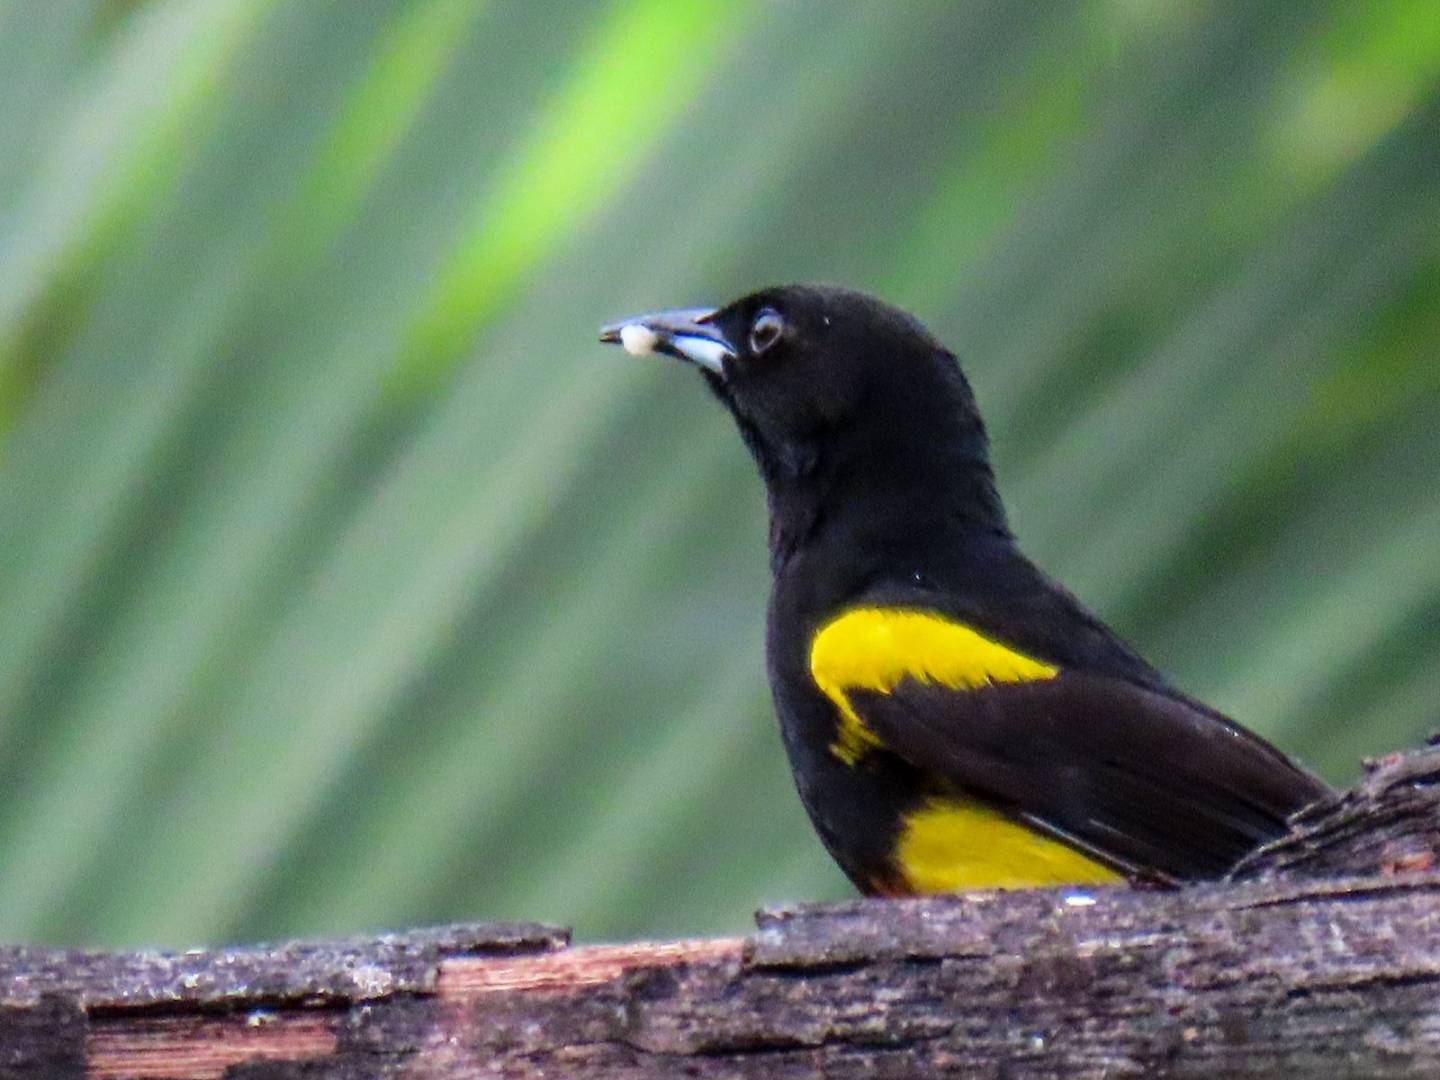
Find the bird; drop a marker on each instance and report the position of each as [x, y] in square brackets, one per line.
[954, 718]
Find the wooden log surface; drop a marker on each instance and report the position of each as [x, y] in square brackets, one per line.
[1320, 959]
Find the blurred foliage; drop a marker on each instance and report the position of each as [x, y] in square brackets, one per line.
[345, 581]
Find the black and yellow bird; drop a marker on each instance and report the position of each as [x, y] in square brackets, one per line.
[954, 718]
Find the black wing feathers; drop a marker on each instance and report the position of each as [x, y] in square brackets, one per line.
[990, 586]
[1153, 783]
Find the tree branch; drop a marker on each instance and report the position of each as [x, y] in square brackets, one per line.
[1321, 959]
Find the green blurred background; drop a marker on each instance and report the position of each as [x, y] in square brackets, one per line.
[346, 582]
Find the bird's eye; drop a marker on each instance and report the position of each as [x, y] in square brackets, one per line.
[765, 331]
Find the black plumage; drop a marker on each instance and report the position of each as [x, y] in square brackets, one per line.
[882, 499]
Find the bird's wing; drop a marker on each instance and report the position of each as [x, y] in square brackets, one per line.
[1150, 783]
[1129, 771]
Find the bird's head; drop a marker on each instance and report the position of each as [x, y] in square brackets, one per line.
[833, 390]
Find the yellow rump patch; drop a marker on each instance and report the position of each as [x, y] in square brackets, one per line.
[949, 846]
[875, 648]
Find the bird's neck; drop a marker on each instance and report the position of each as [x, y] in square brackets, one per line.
[881, 497]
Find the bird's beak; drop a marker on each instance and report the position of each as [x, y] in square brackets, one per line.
[685, 333]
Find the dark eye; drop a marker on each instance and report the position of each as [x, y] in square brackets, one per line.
[765, 330]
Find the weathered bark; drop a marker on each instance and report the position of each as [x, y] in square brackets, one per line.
[1322, 959]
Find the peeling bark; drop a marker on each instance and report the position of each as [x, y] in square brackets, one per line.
[1320, 958]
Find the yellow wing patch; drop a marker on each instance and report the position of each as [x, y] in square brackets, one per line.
[950, 845]
[875, 648]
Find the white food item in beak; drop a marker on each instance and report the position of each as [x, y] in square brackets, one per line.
[638, 339]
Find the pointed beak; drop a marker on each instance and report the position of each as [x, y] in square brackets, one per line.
[685, 333]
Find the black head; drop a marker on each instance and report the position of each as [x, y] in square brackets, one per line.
[838, 395]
